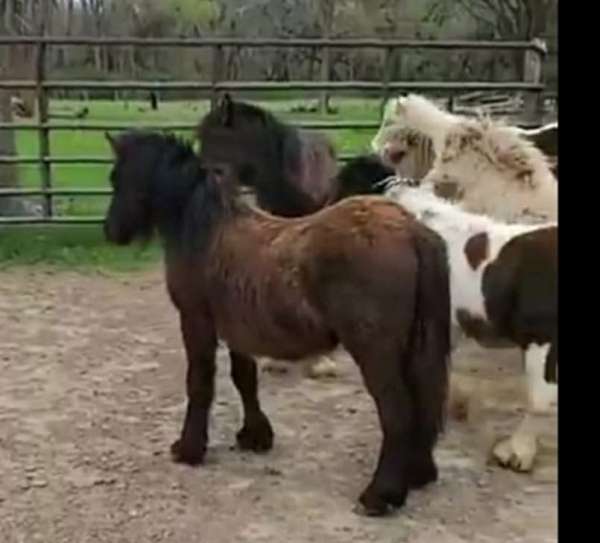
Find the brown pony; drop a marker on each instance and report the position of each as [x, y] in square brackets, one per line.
[362, 273]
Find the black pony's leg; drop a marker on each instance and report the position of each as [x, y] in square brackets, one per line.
[200, 344]
[256, 433]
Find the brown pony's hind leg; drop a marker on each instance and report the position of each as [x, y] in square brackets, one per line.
[381, 371]
[422, 469]
[256, 433]
[200, 345]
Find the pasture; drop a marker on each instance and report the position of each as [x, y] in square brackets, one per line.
[85, 246]
[92, 368]
[68, 143]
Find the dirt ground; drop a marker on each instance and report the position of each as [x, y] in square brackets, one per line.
[92, 395]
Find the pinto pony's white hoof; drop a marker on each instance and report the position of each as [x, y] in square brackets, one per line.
[517, 452]
[321, 368]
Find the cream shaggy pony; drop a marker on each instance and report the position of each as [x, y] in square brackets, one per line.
[492, 168]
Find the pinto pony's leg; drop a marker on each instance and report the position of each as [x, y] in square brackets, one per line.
[321, 366]
[256, 433]
[519, 451]
[200, 345]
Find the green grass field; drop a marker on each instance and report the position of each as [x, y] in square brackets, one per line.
[76, 246]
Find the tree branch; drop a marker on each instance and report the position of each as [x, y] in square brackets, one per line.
[479, 17]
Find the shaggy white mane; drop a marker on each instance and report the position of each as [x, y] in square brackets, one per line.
[495, 169]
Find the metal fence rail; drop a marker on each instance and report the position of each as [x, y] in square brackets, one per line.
[531, 86]
[354, 43]
[275, 85]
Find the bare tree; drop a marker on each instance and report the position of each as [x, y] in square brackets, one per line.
[325, 11]
[504, 19]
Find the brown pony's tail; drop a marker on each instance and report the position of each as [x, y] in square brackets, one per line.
[428, 370]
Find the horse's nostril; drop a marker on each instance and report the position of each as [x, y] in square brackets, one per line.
[396, 156]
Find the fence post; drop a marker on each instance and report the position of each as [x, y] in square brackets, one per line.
[216, 73]
[43, 132]
[451, 106]
[533, 101]
[388, 64]
[325, 74]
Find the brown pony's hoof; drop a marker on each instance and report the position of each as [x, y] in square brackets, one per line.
[422, 475]
[256, 436]
[379, 503]
[185, 453]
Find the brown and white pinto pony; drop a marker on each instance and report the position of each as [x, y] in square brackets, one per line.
[504, 287]
[490, 167]
[362, 273]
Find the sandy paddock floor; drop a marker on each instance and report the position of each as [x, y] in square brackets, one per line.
[92, 395]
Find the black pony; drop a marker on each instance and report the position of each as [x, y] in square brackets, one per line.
[293, 172]
[362, 273]
[364, 174]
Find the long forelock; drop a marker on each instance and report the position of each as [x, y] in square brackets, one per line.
[389, 111]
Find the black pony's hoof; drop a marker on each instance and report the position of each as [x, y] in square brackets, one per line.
[372, 508]
[184, 452]
[257, 437]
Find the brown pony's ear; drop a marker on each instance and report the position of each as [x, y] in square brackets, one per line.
[112, 142]
[225, 109]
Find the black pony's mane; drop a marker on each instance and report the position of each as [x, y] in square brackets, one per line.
[252, 111]
[275, 157]
[185, 199]
[271, 158]
[286, 135]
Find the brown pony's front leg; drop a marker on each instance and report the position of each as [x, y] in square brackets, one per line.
[256, 433]
[200, 342]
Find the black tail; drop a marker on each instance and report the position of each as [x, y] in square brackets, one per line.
[430, 358]
[551, 367]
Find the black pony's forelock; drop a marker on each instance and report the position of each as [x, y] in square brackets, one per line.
[183, 199]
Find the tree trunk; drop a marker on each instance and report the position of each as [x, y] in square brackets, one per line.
[326, 11]
[63, 58]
